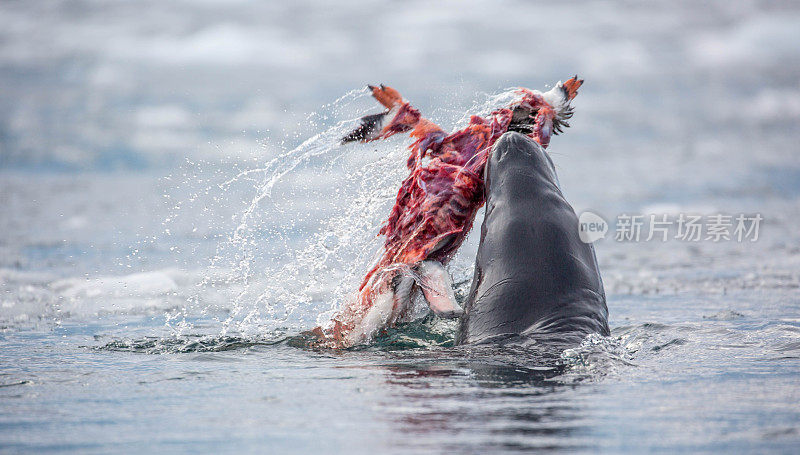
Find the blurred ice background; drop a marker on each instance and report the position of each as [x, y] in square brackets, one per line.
[122, 124]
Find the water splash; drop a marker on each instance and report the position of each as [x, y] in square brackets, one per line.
[596, 356]
[302, 242]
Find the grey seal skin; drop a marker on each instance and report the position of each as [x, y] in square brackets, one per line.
[535, 281]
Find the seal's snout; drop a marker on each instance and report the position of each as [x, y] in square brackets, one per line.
[517, 151]
[519, 169]
[514, 143]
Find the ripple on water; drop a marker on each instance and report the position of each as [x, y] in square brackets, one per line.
[186, 344]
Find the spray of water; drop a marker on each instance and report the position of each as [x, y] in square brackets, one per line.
[302, 243]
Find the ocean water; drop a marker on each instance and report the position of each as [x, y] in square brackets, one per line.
[174, 210]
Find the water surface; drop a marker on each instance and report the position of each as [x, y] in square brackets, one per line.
[152, 271]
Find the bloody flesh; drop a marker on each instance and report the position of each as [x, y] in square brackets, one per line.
[436, 204]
